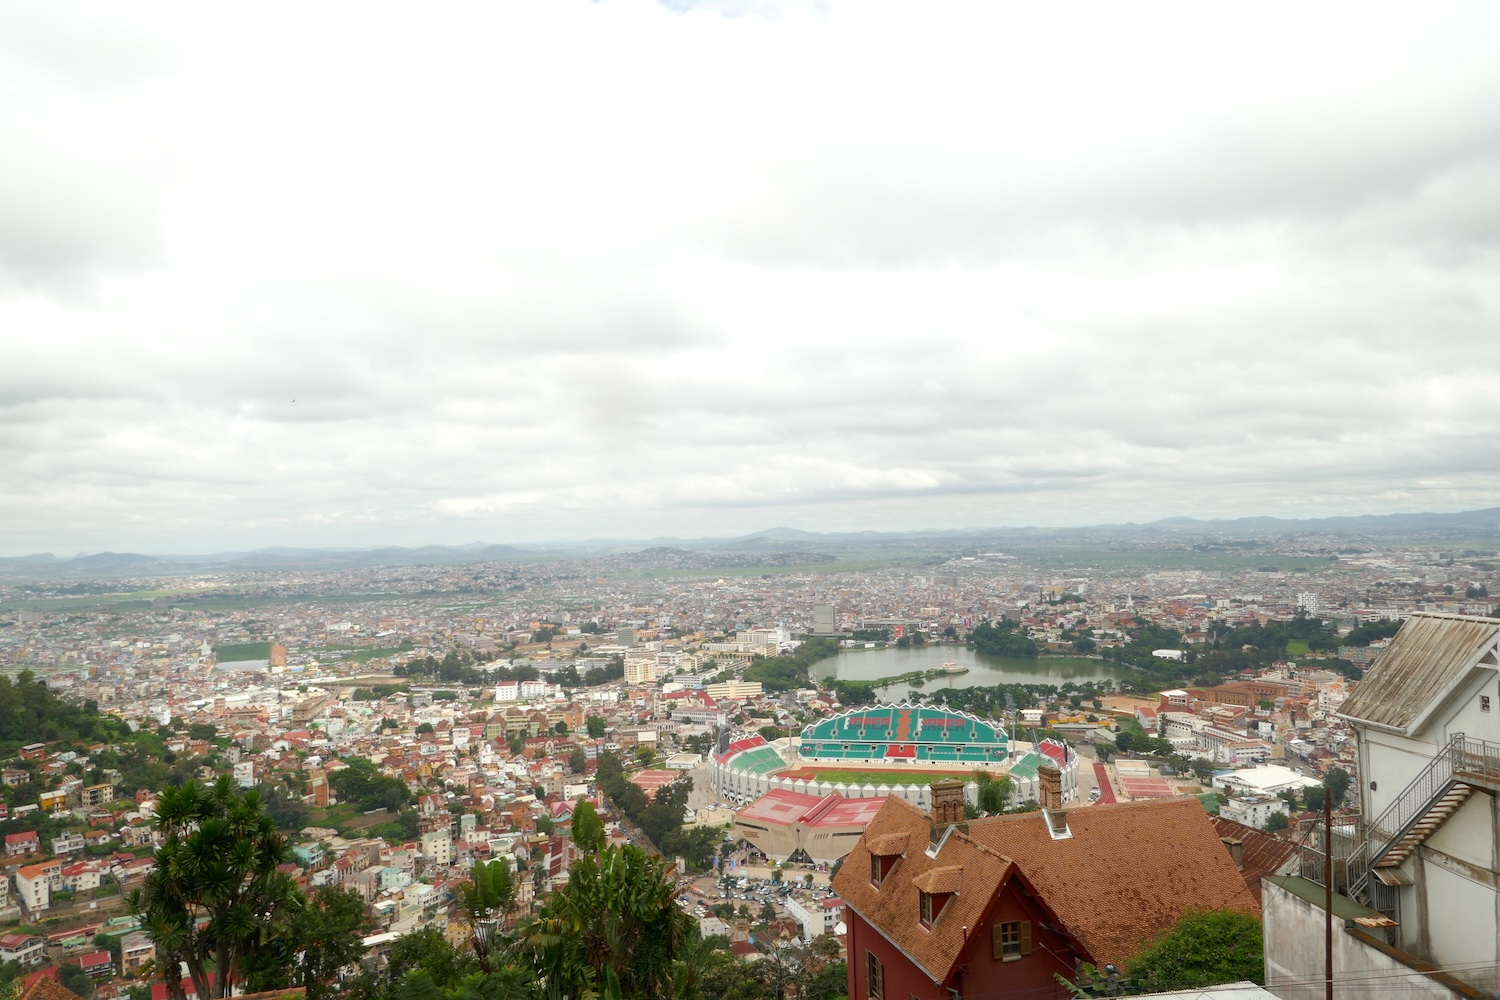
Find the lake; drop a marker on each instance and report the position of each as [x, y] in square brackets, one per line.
[984, 671]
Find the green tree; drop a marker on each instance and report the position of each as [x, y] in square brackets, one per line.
[215, 896]
[316, 942]
[596, 727]
[615, 928]
[1205, 948]
[362, 783]
[577, 761]
[484, 901]
[588, 828]
[289, 811]
[1336, 782]
[424, 728]
[1277, 822]
[427, 949]
[696, 956]
[75, 979]
[1315, 796]
[994, 792]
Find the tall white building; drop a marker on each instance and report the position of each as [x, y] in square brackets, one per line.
[640, 669]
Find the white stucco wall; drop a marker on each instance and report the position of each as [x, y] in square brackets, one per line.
[1461, 918]
[1295, 960]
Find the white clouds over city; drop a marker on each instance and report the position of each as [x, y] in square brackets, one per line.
[346, 274]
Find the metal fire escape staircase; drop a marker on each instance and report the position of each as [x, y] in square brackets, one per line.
[1423, 805]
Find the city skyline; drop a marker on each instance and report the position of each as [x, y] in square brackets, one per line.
[630, 270]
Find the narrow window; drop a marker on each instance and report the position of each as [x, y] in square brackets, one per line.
[1484, 703]
[874, 977]
[877, 870]
[924, 905]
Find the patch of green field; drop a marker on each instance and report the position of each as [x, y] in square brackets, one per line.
[1297, 647]
[236, 652]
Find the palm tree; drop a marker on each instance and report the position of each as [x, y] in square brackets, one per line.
[214, 894]
[694, 956]
[485, 901]
[615, 928]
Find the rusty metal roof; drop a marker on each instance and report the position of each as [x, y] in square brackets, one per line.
[1425, 658]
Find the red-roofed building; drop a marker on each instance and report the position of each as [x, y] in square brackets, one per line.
[937, 906]
[22, 843]
[97, 963]
[27, 949]
[649, 781]
[794, 825]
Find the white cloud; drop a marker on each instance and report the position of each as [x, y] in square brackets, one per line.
[364, 274]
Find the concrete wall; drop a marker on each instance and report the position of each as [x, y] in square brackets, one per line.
[1459, 877]
[1295, 960]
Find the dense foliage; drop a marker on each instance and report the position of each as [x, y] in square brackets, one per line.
[615, 928]
[1000, 638]
[660, 819]
[215, 896]
[1205, 948]
[791, 670]
[362, 783]
[29, 713]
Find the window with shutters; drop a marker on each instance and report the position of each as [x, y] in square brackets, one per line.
[874, 977]
[1012, 939]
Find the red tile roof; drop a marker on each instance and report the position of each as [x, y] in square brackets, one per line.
[1124, 874]
[1263, 853]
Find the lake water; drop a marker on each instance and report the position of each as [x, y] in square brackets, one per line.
[984, 671]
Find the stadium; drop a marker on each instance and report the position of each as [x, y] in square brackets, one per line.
[905, 733]
[875, 751]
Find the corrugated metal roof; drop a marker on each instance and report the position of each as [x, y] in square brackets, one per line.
[1426, 656]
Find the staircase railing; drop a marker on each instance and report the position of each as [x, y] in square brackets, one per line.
[1478, 757]
[1387, 829]
[1352, 867]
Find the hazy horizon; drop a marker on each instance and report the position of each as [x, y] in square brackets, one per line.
[627, 269]
[581, 541]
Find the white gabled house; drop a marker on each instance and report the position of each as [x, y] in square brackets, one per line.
[1418, 879]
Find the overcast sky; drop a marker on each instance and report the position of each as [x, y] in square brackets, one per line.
[322, 274]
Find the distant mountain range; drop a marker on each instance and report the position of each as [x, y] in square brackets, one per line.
[1472, 525]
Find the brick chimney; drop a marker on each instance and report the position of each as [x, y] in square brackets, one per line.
[1049, 786]
[947, 801]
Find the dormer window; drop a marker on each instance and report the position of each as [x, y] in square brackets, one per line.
[934, 888]
[930, 906]
[884, 853]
